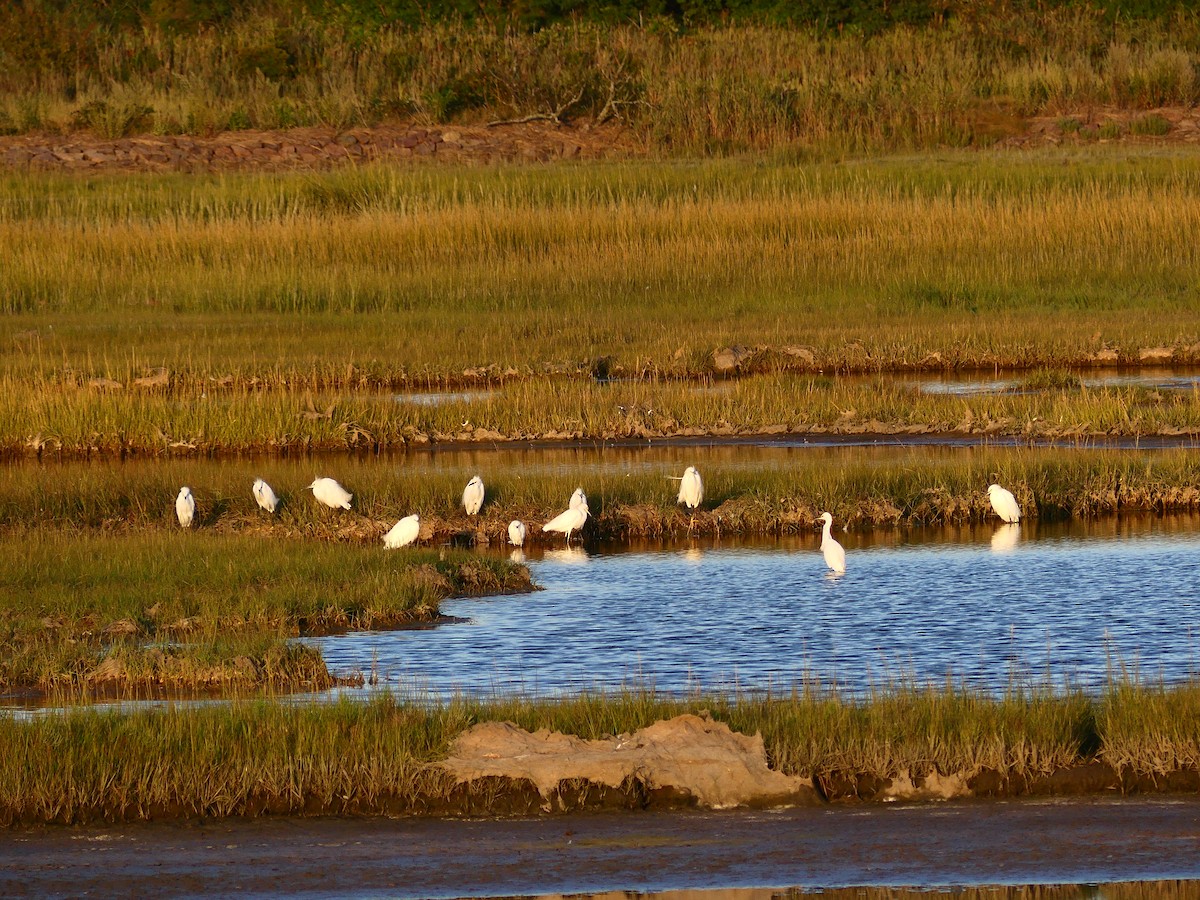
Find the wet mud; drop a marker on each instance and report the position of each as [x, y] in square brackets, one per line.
[931, 845]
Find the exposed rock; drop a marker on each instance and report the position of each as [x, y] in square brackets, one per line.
[105, 384]
[689, 754]
[801, 353]
[121, 628]
[159, 378]
[1156, 354]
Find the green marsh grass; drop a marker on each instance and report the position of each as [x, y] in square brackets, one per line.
[392, 276]
[747, 490]
[374, 757]
[85, 608]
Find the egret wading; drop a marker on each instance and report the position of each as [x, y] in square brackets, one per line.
[265, 496]
[834, 553]
[1004, 503]
[574, 517]
[403, 532]
[185, 507]
[332, 494]
[473, 496]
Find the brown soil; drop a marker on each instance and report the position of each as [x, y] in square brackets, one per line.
[323, 148]
[1030, 842]
[316, 148]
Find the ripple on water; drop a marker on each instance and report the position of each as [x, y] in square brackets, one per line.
[1029, 604]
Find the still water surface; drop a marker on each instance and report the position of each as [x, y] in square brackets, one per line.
[985, 606]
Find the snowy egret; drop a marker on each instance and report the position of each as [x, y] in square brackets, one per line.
[265, 496]
[516, 533]
[834, 553]
[331, 493]
[1004, 503]
[473, 496]
[403, 532]
[691, 488]
[573, 518]
[185, 507]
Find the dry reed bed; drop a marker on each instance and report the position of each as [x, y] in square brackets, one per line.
[969, 80]
[384, 276]
[159, 611]
[375, 757]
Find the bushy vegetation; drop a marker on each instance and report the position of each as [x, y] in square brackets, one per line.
[686, 77]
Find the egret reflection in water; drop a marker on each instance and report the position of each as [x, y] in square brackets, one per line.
[1005, 538]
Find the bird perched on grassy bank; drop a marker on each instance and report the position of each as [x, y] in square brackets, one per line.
[264, 496]
[834, 553]
[185, 507]
[516, 533]
[472, 497]
[403, 532]
[573, 518]
[1004, 503]
[332, 494]
[691, 488]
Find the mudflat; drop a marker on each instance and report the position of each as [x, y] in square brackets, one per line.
[929, 844]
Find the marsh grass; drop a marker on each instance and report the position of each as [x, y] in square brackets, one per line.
[385, 277]
[247, 758]
[82, 609]
[630, 496]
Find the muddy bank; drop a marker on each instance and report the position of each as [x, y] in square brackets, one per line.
[311, 149]
[1031, 842]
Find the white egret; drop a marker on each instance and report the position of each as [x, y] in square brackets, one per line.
[573, 518]
[516, 533]
[185, 507]
[403, 532]
[265, 496]
[691, 488]
[473, 496]
[834, 553]
[1004, 503]
[332, 494]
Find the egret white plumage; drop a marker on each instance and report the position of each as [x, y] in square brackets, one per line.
[573, 518]
[691, 488]
[265, 496]
[332, 494]
[403, 532]
[1004, 503]
[185, 507]
[834, 553]
[473, 496]
[516, 533]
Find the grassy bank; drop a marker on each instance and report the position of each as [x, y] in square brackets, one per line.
[385, 277]
[371, 758]
[153, 610]
[748, 491]
[695, 85]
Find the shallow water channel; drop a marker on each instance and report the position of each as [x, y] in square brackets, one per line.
[987, 606]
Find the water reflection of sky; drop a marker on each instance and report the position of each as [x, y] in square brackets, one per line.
[1029, 607]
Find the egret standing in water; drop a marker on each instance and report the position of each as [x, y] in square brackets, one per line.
[516, 533]
[473, 496]
[403, 532]
[185, 507]
[265, 496]
[1004, 503]
[332, 494]
[834, 553]
[573, 518]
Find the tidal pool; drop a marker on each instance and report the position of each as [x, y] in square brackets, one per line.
[987, 606]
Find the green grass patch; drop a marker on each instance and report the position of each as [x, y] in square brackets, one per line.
[373, 757]
[88, 610]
